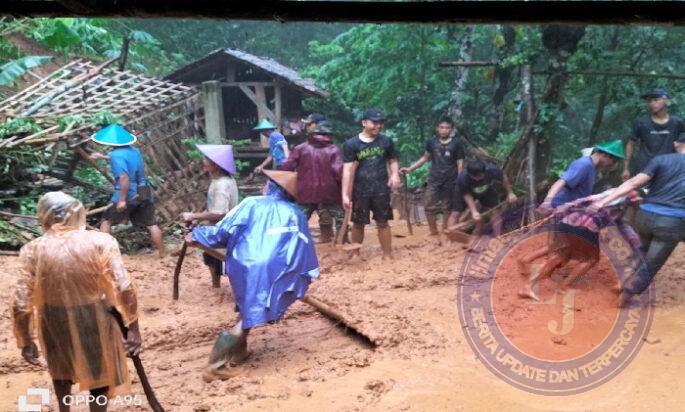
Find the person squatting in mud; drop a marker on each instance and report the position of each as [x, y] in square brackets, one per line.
[370, 173]
[270, 261]
[576, 183]
[481, 182]
[660, 220]
[71, 278]
[446, 154]
[222, 196]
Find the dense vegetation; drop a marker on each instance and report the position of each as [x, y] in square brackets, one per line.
[396, 68]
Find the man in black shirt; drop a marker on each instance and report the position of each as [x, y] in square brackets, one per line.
[661, 218]
[655, 133]
[447, 158]
[366, 185]
[483, 182]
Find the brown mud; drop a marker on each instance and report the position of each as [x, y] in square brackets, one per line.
[305, 362]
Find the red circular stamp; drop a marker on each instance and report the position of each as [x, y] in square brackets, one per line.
[546, 318]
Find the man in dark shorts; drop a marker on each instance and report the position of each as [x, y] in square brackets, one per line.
[661, 218]
[366, 184]
[482, 182]
[655, 133]
[132, 199]
[446, 154]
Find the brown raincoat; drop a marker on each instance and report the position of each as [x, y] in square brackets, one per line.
[70, 277]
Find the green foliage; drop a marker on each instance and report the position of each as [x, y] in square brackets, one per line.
[9, 235]
[104, 118]
[10, 72]
[17, 126]
[74, 120]
[418, 177]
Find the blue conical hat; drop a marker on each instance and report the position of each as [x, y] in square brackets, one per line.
[264, 125]
[114, 135]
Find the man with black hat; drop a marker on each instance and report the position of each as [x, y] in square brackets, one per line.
[660, 221]
[655, 133]
[318, 163]
[132, 199]
[366, 184]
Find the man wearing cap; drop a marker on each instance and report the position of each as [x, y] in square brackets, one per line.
[660, 221]
[654, 133]
[270, 260]
[132, 198]
[222, 196]
[278, 146]
[311, 121]
[576, 183]
[318, 163]
[366, 184]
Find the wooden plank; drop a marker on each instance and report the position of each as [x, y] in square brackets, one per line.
[246, 84]
[260, 104]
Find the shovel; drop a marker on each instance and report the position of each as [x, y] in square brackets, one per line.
[147, 388]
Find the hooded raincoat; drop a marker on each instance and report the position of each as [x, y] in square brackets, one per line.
[270, 254]
[318, 163]
[70, 277]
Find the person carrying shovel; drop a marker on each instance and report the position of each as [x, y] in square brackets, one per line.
[132, 198]
[270, 261]
[71, 278]
[222, 196]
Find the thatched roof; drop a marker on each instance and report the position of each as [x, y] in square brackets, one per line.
[265, 65]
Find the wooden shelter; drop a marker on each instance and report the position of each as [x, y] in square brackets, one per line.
[160, 113]
[239, 89]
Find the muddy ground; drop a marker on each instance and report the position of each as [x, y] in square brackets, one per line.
[420, 362]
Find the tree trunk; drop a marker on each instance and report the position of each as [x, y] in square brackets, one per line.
[560, 42]
[502, 76]
[454, 110]
[604, 94]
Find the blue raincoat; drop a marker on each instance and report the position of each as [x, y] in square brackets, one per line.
[270, 254]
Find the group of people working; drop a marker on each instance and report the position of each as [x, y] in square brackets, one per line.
[73, 278]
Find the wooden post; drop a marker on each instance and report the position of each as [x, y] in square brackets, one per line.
[215, 126]
[260, 93]
[93, 163]
[278, 104]
[526, 83]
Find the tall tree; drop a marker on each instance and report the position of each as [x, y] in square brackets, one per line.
[560, 41]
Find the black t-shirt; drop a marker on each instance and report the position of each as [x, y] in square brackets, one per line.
[667, 186]
[444, 158]
[371, 177]
[654, 139]
[477, 188]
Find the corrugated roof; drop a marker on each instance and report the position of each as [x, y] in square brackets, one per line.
[269, 65]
